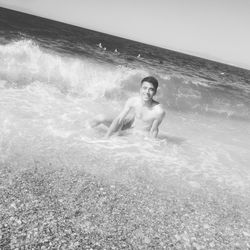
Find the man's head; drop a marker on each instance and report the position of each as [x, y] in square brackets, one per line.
[148, 88]
[152, 80]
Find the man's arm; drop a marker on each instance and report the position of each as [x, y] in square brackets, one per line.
[117, 122]
[156, 123]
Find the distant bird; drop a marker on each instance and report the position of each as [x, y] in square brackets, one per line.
[138, 56]
[222, 73]
[104, 48]
[100, 45]
[116, 51]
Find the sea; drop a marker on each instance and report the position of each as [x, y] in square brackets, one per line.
[55, 77]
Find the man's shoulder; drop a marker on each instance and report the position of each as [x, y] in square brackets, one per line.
[159, 109]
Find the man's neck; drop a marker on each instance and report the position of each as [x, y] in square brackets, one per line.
[147, 103]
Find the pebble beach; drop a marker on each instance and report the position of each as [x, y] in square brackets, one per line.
[43, 207]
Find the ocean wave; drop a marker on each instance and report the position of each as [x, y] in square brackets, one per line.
[23, 62]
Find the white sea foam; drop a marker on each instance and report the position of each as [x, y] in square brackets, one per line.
[24, 62]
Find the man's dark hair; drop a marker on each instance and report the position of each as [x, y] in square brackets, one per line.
[152, 80]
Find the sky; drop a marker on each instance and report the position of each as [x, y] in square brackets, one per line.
[212, 29]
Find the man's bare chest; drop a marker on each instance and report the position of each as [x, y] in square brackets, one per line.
[145, 114]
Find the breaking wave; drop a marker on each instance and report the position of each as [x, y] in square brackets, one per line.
[23, 63]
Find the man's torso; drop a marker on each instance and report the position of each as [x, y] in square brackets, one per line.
[144, 116]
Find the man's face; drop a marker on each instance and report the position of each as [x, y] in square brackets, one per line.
[147, 91]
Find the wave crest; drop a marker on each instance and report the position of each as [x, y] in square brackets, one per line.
[23, 62]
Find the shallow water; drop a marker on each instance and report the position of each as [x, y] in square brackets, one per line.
[42, 123]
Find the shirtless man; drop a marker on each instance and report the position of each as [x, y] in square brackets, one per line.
[147, 114]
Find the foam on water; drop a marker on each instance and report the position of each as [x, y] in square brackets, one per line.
[24, 62]
[46, 98]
